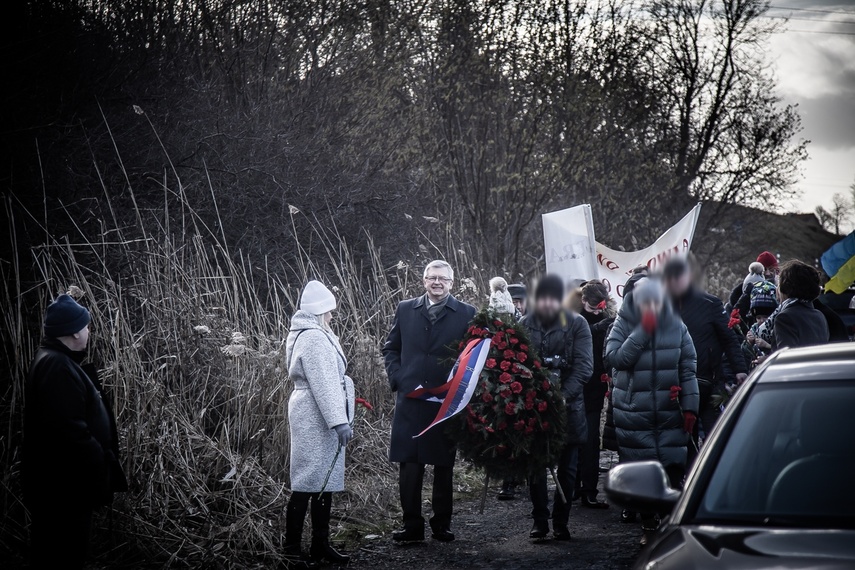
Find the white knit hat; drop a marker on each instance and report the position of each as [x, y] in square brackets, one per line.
[316, 298]
[500, 300]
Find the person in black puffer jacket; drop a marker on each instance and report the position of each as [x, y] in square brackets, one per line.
[563, 341]
[70, 449]
[655, 390]
[593, 303]
[705, 317]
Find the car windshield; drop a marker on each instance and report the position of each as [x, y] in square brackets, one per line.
[789, 460]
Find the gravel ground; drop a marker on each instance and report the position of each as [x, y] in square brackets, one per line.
[499, 539]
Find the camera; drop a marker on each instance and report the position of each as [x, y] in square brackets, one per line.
[554, 362]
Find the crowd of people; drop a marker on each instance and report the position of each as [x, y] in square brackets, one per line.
[663, 363]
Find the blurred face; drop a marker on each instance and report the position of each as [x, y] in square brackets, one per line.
[590, 307]
[438, 283]
[654, 307]
[677, 286]
[760, 319]
[547, 308]
[520, 304]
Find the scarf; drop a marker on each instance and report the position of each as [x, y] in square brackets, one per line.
[767, 329]
[435, 310]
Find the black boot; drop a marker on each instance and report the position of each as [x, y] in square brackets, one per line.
[540, 530]
[295, 517]
[321, 547]
[508, 492]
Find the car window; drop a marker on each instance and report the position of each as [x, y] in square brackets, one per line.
[790, 459]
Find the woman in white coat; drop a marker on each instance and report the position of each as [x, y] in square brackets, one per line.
[320, 411]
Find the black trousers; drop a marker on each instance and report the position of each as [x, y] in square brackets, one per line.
[567, 467]
[59, 536]
[589, 457]
[676, 474]
[411, 480]
[295, 516]
[708, 417]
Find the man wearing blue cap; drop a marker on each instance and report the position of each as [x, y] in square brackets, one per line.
[70, 464]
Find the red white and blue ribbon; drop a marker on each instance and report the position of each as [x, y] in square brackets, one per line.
[462, 381]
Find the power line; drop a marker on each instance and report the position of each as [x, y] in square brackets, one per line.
[812, 10]
[791, 18]
[820, 32]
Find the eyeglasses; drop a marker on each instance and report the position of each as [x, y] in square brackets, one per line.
[438, 279]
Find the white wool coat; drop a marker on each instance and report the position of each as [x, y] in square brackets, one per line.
[323, 398]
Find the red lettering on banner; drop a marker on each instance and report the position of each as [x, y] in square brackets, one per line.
[608, 284]
[619, 291]
[685, 245]
[607, 263]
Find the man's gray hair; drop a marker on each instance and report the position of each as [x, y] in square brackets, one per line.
[439, 264]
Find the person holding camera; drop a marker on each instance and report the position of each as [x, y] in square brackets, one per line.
[563, 340]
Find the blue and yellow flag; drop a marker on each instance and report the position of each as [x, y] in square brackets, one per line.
[839, 264]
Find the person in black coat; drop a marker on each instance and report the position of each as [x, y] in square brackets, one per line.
[563, 341]
[797, 323]
[420, 351]
[707, 321]
[70, 449]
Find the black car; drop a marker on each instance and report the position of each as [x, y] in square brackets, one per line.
[774, 485]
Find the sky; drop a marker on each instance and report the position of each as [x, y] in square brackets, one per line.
[814, 60]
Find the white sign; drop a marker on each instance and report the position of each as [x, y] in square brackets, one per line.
[564, 228]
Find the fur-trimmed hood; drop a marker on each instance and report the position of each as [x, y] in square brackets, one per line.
[573, 301]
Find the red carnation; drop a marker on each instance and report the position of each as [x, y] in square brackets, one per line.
[544, 426]
[505, 365]
[516, 388]
[505, 393]
[364, 403]
[524, 347]
[526, 373]
[675, 392]
[546, 385]
[514, 340]
[505, 378]
[488, 429]
[608, 394]
[604, 378]
[522, 356]
[541, 407]
[530, 395]
[487, 397]
[519, 426]
[502, 426]
[509, 354]
[490, 363]
[511, 409]
[537, 364]
[510, 331]
[500, 345]
[529, 429]
[497, 322]
[499, 335]
[529, 404]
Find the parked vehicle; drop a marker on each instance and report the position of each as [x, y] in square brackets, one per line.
[774, 485]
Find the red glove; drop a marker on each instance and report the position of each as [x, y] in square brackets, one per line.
[689, 419]
[649, 322]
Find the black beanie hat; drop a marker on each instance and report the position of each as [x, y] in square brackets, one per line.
[550, 286]
[64, 317]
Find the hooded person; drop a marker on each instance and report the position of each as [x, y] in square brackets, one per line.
[655, 390]
[70, 448]
[501, 301]
[320, 413]
[563, 341]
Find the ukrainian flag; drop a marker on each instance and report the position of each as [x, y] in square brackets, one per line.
[839, 264]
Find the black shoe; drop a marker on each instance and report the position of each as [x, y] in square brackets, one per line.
[323, 550]
[589, 502]
[539, 531]
[577, 494]
[627, 517]
[562, 533]
[443, 535]
[508, 492]
[408, 535]
[296, 559]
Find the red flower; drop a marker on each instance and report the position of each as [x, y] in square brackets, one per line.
[604, 378]
[516, 388]
[505, 378]
[500, 345]
[544, 426]
[505, 393]
[546, 385]
[675, 393]
[499, 336]
[522, 356]
[524, 347]
[537, 364]
[497, 322]
[503, 425]
[490, 363]
[519, 426]
[514, 340]
[364, 403]
[732, 323]
[511, 409]
[510, 331]
[487, 397]
[608, 394]
[509, 354]
[529, 429]
[470, 411]
[531, 422]
[734, 314]
[541, 407]
[488, 429]
[530, 395]
[529, 404]
[505, 365]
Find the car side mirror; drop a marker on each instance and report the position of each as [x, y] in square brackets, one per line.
[641, 487]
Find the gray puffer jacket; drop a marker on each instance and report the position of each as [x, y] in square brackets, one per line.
[649, 424]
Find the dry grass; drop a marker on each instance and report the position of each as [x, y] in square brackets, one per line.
[189, 336]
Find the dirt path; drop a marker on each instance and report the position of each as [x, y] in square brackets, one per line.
[499, 539]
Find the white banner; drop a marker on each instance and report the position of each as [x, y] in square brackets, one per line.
[569, 247]
[613, 267]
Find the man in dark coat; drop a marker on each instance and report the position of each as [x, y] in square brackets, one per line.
[705, 317]
[797, 323]
[70, 451]
[420, 351]
[563, 341]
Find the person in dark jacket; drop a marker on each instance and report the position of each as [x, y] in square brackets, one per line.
[796, 322]
[740, 297]
[655, 390]
[70, 449]
[593, 302]
[705, 317]
[563, 341]
[420, 351]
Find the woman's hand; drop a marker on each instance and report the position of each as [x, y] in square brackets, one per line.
[344, 433]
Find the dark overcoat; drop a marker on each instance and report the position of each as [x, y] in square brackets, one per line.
[418, 353]
[799, 324]
[70, 451]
